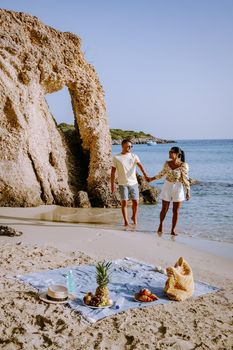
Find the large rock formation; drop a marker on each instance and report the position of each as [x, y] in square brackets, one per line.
[36, 164]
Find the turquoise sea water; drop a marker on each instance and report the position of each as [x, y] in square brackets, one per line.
[209, 213]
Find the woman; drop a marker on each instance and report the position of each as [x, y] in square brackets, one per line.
[177, 179]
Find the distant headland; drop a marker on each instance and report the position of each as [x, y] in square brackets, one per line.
[139, 137]
[117, 135]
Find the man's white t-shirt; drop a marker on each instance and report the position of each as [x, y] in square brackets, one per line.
[125, 165]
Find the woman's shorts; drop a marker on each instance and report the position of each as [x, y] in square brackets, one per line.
[172, 192]
[129, 192]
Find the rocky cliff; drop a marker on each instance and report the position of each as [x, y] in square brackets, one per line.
[36, 163]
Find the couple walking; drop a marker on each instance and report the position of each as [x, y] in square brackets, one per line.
[173, 190]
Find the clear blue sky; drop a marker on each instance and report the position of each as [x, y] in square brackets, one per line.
[166, 65]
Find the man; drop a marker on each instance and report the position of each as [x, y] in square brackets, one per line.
[125, 164]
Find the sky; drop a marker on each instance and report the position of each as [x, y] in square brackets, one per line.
[166, 66]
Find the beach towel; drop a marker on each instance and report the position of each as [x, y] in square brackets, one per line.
[128, 277]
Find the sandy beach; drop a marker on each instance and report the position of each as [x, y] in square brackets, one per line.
[27, 323]
[85, 88]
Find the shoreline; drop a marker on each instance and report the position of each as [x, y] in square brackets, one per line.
[50, 215]
[210, 261]
[101, 243]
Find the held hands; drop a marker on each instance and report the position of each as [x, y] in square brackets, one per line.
[113, 188]
[149, 179]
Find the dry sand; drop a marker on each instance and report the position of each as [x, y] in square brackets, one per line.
[27, 323]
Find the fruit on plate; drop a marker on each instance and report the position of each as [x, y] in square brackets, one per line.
[102, 279]
[95, 301]
[146, 296]
[101, 297]
[88, 298]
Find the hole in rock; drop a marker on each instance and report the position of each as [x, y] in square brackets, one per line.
[60, 107]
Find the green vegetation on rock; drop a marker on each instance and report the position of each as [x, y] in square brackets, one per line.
[116, 134]
[66, 127]
[119, 134]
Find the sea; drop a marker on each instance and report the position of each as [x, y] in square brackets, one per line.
[209, 212]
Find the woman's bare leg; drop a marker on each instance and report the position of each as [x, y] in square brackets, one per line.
[176, 208]
[165, 207]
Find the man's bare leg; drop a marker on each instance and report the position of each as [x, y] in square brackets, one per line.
[124, 211]
[134, 211]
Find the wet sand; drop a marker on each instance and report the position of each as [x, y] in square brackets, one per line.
[101, 220]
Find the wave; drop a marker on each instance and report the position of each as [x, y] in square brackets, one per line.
[213, 189]
[214, 184]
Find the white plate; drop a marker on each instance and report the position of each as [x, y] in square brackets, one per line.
[98, 307]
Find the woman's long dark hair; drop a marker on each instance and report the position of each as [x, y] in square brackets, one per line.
[180, 153]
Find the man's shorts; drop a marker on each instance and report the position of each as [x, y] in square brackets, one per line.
[129, 192]
[172, 192]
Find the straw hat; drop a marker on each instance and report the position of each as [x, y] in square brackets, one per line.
[56, 294]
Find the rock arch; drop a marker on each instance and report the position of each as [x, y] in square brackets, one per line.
[36, 164]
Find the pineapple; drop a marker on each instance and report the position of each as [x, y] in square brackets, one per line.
[102, 279]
